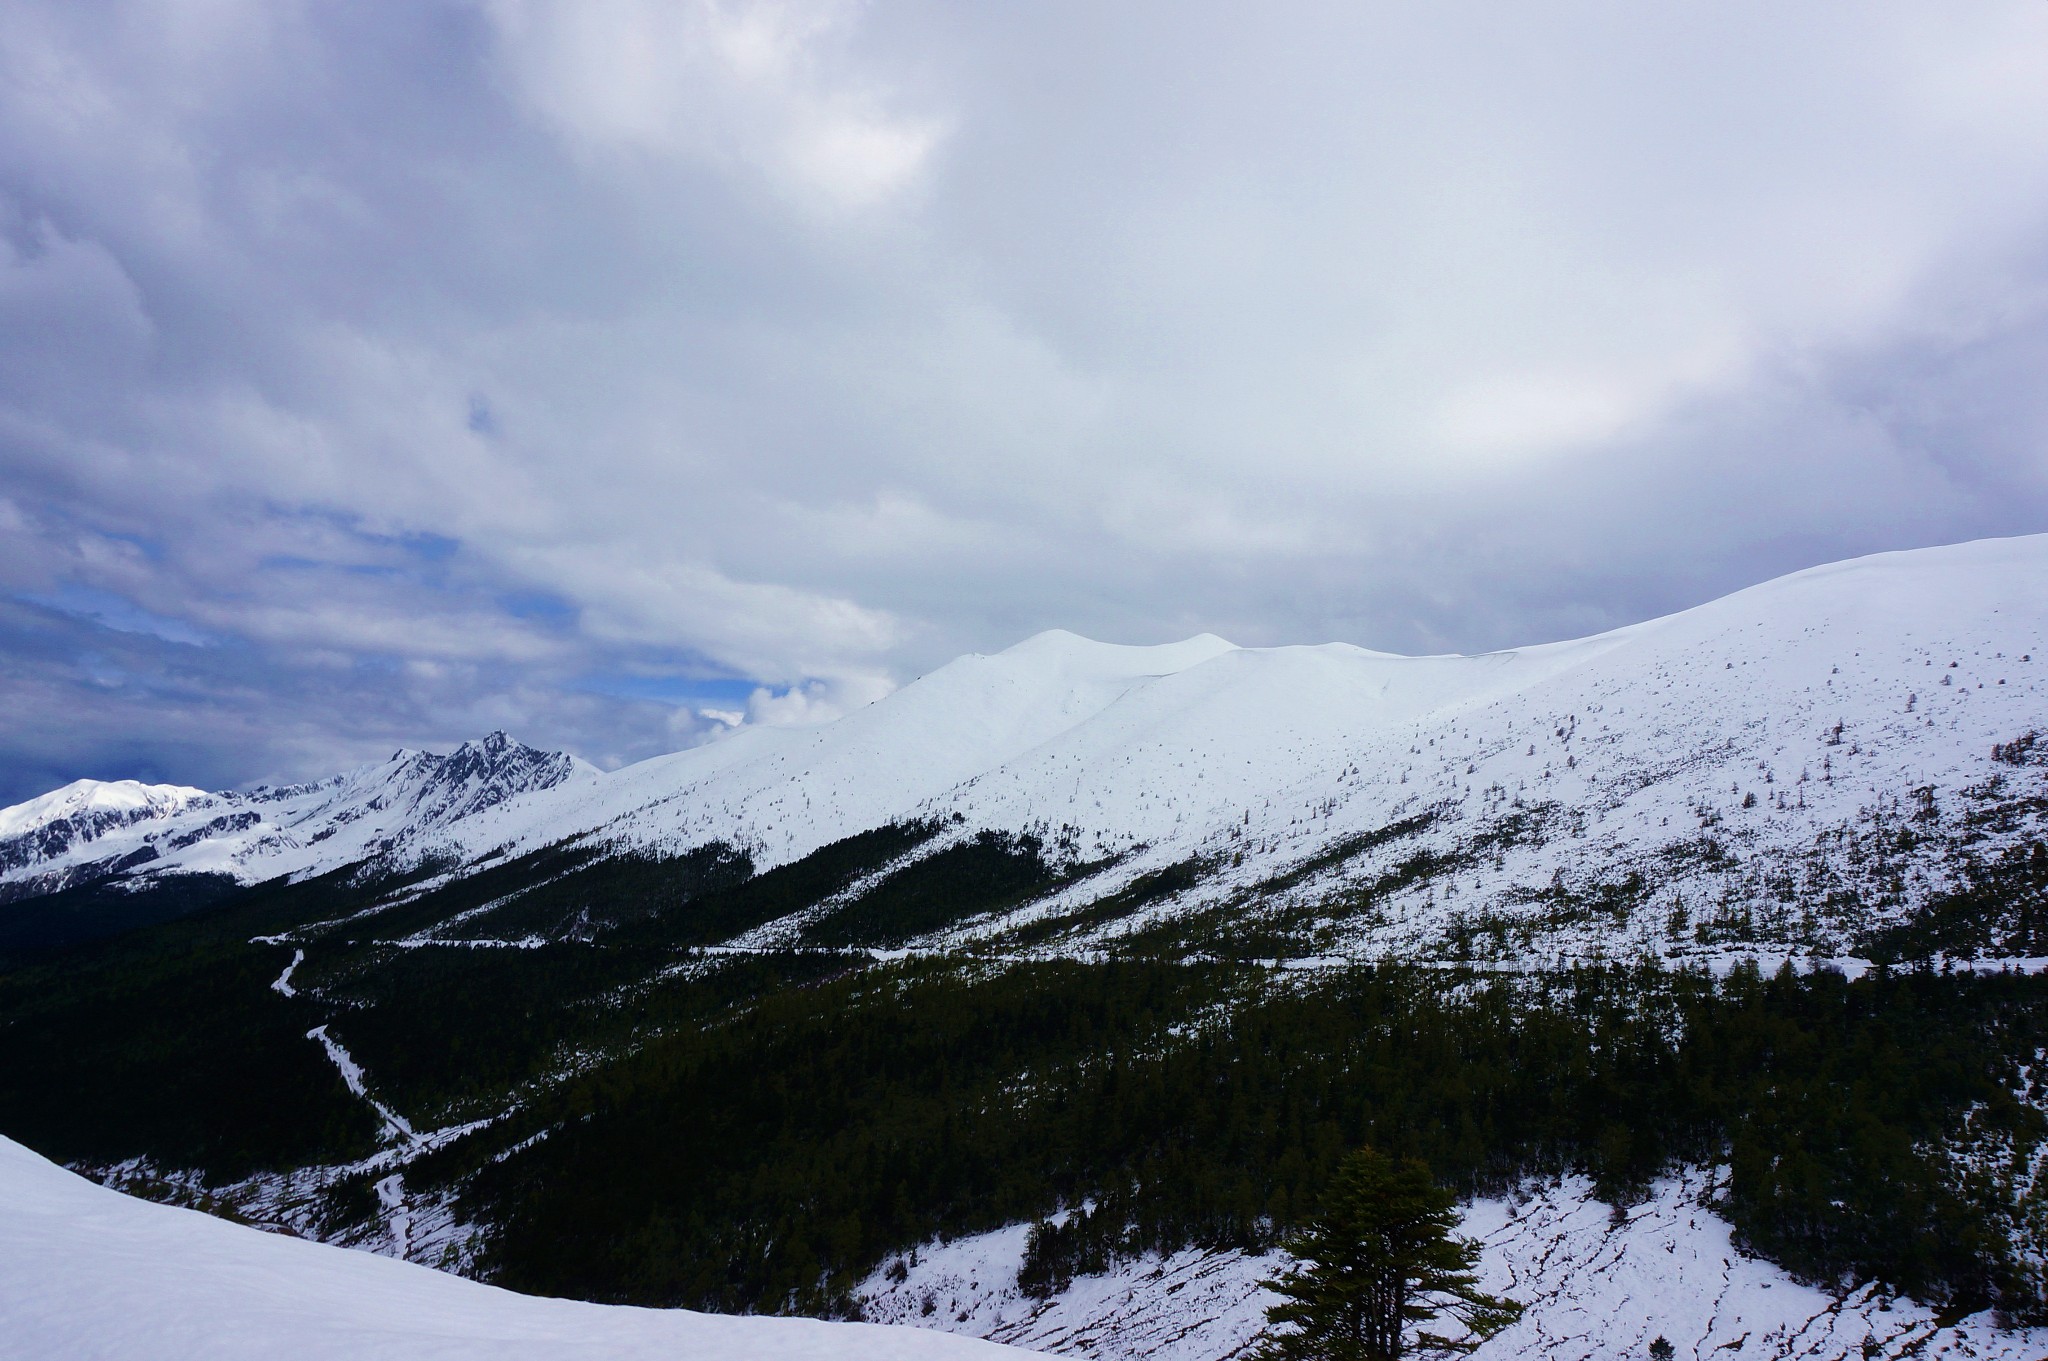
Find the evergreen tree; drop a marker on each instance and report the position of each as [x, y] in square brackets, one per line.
[1377, 1262]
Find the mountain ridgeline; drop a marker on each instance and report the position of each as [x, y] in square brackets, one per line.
[1132, 944]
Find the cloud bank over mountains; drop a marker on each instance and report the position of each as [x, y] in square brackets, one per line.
[385, 374]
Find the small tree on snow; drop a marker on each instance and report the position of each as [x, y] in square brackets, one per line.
[1379, 1262]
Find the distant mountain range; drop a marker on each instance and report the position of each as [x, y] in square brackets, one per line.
[98, 829]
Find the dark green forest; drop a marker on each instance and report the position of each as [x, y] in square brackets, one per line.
[758, 1130]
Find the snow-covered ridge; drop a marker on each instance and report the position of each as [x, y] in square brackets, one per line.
[1172, 745]
[115, 801]
[1719, 752]
[90, 1273]
[66, 823]
[92, 827]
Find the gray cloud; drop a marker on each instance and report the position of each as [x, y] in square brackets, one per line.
[375, 373]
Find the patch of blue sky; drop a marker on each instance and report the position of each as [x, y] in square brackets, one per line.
[543, 607]
[152, 549]
[118, 613]
[422, 545]
[293, 562]
[690, 692]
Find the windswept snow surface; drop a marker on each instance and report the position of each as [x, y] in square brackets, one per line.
[90, 1273]
[1596, 1287]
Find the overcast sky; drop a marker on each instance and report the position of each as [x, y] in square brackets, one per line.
[612, 370]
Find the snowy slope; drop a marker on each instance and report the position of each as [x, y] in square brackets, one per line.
[783, 792]
[1593, 1287]
[48, 830]
[92, 827]
[84, 803]
[88, 1273]
[1059, 728]
[1766, 719]
[1711, 752]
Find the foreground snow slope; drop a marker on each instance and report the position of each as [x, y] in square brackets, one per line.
[1595, 1286]
[89, 1273]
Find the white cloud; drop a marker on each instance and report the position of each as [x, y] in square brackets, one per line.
[822, 341]
[813, 703]
[758, 84]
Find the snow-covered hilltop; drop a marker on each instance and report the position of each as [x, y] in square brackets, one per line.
[48, 829]
[1694, 765]
[91, 828]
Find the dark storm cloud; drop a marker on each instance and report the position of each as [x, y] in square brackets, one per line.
[610, 370]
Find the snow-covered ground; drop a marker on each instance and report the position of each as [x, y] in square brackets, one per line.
[1190, 1306]
[1596, 1287]
[89, 1273]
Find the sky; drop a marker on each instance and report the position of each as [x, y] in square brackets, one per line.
[616, 372]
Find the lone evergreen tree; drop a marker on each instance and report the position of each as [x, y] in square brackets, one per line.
[1379, 1261]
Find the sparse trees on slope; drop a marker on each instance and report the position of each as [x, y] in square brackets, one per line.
[1378, 1263]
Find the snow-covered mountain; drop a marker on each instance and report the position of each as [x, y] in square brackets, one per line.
[91, 828]
[1844, 762]
[51, 828]
[86, 1272]
[1693, 765]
